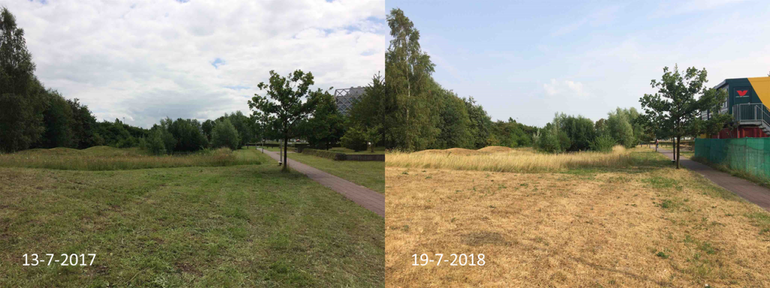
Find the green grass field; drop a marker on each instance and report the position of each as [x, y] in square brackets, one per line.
[241, 225]
[370, 174]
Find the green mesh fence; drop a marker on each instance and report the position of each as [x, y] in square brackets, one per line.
[751, 155]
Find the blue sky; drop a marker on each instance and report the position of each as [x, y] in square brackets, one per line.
[530, 59]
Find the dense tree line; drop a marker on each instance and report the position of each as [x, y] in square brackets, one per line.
[577, 133]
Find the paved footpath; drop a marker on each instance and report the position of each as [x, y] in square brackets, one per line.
[363, 196]
[748, 190]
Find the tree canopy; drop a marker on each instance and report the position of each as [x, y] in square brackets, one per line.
[286, 104]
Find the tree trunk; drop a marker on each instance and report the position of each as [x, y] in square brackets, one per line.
[678, 139]
[285, 149]
[408, 126]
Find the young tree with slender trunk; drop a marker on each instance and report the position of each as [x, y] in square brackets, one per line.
[674, 111]
[407, 71]
[286, 104]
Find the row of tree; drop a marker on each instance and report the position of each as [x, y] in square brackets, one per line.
[404, 110]
[32, 116]
[577, 133]
[416, 113]
[409, 110]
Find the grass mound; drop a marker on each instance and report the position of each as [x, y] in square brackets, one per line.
[52, 151]
[450, 151]
[496, 149]
[108, 151]
[110, 158]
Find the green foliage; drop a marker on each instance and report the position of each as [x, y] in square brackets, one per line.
[564, 141]
[206, 127]
[83, 125]
[169, 142]
[58, 120]
[21, 103]
[674, 111]
[408, 75]
[511, 134]
[354, 139]
[603, 143]
[243, 124]
[550, 139]
[455, 124]
[376, 108]
[324, 154]
[579, 130]
[224, 134]
[286, 104]
[327, 124]
[619, 127]
[154, 143]
[372, 136]
[119, 135]
[481, 123]
[188, 134]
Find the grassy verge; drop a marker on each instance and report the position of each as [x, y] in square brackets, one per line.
[641, 225]
[369, 174]
[235, 226]
[102, 158]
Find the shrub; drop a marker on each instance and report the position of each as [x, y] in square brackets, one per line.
[188, 134]
[620, 128]
[154, 144]
[169, 142]
[354, 139]
[224, 134]
[324, 154]
[603, 143]
[550, 140]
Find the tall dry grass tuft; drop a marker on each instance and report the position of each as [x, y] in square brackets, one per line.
[515, 160]
[108, 158]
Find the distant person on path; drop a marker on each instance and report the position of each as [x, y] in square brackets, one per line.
[656, 145]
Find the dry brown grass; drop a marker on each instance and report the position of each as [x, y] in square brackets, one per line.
[450, 151]
[647, 226]
[503, 159]
[495, 149]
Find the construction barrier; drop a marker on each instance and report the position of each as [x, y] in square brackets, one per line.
[751, 155]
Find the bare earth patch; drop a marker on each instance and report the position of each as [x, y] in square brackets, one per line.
[585, 228]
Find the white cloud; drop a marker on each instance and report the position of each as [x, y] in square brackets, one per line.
[144, 60]
[565, 88]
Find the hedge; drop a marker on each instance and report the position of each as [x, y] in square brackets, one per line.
[325, 154]
[342, 156]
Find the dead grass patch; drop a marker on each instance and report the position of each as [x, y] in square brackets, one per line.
[632, 227]
[495, 149]
[451, 151]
